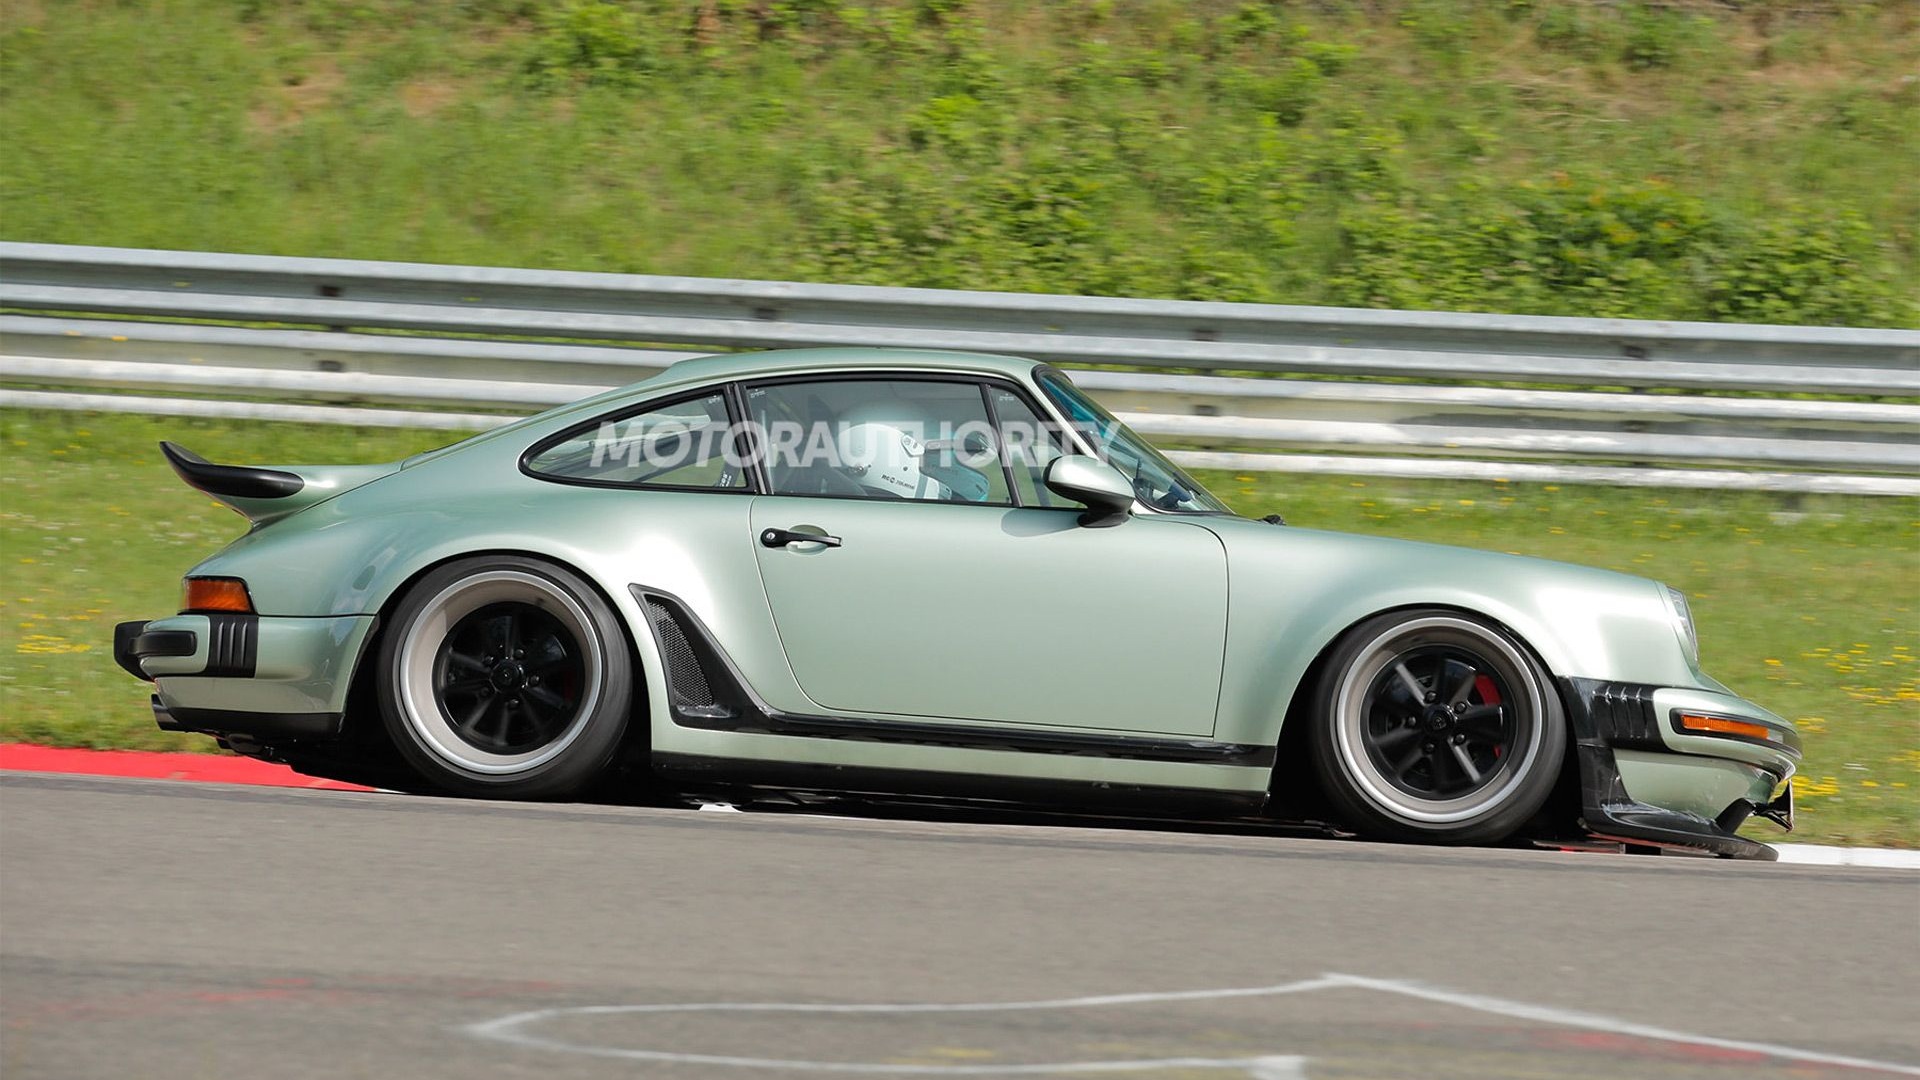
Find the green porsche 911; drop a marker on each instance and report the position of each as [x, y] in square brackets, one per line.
[887, 572]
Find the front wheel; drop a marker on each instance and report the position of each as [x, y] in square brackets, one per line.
[506, 677]
[1435, 725]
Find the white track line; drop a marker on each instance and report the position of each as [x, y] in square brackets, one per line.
[511, 1029]
[508, 1029]
[1547, 1014]
[1824, 855]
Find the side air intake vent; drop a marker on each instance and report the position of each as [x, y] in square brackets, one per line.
[685, 679]
[1623, 712]
[702, 689]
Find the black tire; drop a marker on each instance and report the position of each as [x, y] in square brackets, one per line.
[505, 677]
[1436, 726]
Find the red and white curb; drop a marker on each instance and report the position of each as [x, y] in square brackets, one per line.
[151, 765]
[234, 769]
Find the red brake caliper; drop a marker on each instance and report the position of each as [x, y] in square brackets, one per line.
[1489, 695]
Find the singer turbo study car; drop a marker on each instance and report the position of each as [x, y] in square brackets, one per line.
[931, 574]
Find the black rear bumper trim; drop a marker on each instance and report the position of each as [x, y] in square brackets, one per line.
[126, 638]
[233, 646]
[267, 727]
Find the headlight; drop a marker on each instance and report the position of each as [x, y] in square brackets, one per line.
[1683, 622]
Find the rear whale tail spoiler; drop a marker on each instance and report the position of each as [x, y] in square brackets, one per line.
[263, 494]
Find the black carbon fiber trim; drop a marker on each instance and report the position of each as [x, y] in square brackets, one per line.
[233, 646]
[1628, 712]
[1606, 715]
[685, 678]
[1618, 714]
[270, 726]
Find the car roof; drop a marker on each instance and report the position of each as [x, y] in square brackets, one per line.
[730, 366]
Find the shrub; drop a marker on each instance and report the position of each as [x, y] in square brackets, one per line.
[1807, 267]
[594, 42]
[1562, 248]
[1661, 37]
[1640, 251]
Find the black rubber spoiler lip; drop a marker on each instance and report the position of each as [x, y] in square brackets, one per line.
[232, 481]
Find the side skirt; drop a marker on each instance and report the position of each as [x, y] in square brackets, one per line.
[696, 770]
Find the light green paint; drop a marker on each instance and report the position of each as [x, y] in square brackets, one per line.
[302, 666]
[1197, 626]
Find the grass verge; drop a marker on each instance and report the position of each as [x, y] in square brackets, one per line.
[1805, 604]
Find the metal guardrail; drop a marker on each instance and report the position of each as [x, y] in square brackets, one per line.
[340, 335]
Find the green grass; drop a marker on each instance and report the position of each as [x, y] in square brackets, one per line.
[1806, 604]
[1681, 159]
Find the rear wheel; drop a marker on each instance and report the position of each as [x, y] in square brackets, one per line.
[505, 676]
[1435, 725]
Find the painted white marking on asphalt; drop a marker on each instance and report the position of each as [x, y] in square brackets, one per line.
[1825, 855]
[1548, 1014]
[512, 1029]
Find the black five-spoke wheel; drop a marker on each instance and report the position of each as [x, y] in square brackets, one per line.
[505, 675]
[1436, 725]
[510, 678]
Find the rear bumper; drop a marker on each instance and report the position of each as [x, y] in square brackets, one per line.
[259, 726]
[267, 678]
[1645, 780]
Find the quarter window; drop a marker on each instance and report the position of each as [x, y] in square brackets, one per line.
[684, 444]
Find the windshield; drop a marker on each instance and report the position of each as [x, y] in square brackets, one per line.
[1156, 481]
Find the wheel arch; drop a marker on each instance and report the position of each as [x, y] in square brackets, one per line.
[362, 715]
[1293, 783]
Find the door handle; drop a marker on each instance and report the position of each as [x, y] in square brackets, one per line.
[779, 538]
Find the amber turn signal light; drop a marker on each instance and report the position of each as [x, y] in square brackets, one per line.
[216, 594]
[1720, 725]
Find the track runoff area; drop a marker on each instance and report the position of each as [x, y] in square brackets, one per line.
[171, 930]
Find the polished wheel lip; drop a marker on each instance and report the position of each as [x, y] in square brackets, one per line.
[1350, 720]
[418, 653]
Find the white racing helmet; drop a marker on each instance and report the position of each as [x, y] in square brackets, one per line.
[890, 460]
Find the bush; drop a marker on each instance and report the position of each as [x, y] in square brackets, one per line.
[1640, 251]
[593, 42]
[1563, 248]
[1807, 267]
[1661, 37]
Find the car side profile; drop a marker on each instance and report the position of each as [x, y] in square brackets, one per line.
[925, 573]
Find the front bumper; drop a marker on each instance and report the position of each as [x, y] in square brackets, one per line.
[1645, 780]
[268, 678]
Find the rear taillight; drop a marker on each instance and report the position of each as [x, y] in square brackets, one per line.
[204, 594]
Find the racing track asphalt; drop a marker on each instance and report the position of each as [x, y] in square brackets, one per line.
[186, 931]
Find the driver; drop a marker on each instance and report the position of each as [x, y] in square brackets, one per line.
[878, 452]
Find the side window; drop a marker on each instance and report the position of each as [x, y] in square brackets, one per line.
[917, 439]
[1031, 443]
[687, 444]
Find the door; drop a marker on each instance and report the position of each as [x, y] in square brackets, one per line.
[942, 599]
